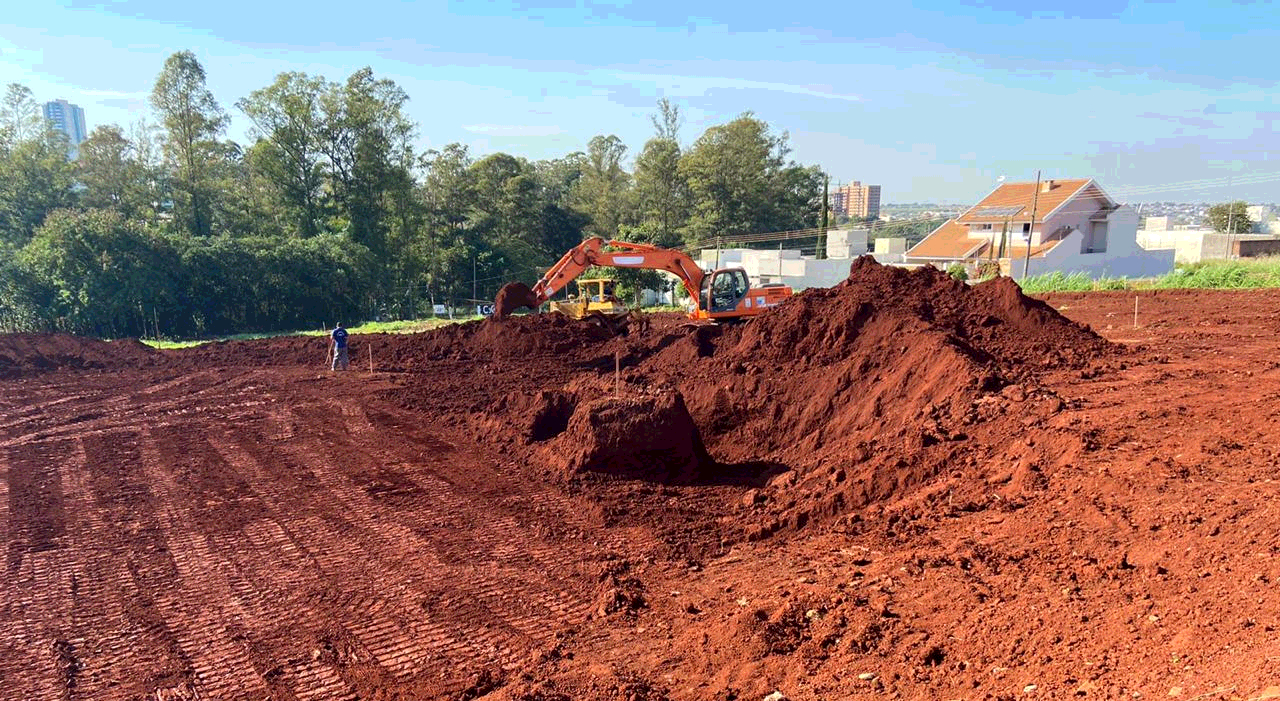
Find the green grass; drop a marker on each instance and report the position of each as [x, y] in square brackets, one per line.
[1253, 273]
[367, 327]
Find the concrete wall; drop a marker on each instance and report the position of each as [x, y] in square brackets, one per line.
[1186, 245]
[1156, 224]
[1252, 248]
[847, 243]
[1125, 261]
[1198, 245]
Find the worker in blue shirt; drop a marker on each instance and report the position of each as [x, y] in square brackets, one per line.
[339, 337]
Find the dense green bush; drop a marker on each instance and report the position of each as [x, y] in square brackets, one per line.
[96, 273]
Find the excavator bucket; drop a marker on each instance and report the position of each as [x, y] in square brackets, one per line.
[511, 297]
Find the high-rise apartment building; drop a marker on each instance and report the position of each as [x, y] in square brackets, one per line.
[856, 201]
[68, 119]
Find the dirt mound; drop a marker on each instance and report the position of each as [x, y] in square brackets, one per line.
[848, 396]
[990, 321]
[536, 335]
[889, 354]
[27, 353]
[511, 297]
[284, 350]
[870, 389]
[649, 437]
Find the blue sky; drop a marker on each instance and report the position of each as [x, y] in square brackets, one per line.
[934, 101]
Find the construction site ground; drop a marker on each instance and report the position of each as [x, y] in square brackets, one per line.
[236, 522]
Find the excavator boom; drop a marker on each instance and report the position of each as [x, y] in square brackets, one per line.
[633, 255]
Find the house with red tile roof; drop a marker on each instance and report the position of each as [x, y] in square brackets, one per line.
[1068, 226]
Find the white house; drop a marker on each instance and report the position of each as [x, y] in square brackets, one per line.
[1075, 228]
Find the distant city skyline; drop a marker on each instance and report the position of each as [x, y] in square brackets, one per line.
[933, 100]
[68, 119]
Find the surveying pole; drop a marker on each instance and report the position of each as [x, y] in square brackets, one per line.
[1035, 201]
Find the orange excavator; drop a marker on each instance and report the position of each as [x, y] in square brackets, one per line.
[724, 294]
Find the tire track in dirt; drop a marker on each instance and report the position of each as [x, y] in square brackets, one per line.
[34, 650]
[206, 617]
[407, 567]
[217, 537]
[127, 569]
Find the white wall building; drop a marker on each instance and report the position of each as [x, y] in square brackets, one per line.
[1075, 228]
[789, 266]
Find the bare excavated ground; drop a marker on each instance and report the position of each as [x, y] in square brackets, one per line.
[236, 523]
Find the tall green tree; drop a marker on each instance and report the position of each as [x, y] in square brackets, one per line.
[193, 121]
[113, 174]
[290, 122]
[366, 141]
[661, 193]
[730, 169]
[602, 191]
[35, 180]
[1230, 218]
[447, 194]
[740, 182]
[20, 118]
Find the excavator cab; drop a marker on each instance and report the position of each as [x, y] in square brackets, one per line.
[722, 290]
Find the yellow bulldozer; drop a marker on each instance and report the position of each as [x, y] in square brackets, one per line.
[596, 303]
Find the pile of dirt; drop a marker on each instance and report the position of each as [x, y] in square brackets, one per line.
[870, 389]
[544, 336]
[648, 437]
[511, 297]
[848, 396]
[29, 353]
[281, 351]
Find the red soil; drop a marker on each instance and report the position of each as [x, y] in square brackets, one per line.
[511, 297]
[24, 354]
[910, 488]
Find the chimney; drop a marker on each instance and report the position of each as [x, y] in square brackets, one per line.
[1047, 185]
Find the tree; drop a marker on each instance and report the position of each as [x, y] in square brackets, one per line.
[290, 121]
[193, 120]
[366, 140]
[733, 171]
[20, 118]
[661, 192]
[667, 122]
[107, 272]
[1230, 218]
[112, 174]
[35, 180]
[602, 190]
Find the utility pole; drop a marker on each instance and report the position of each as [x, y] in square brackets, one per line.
[473, 280]
[1035, 201]
[821, 253]
[1231, 215]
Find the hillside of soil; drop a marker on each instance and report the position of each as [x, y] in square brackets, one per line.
[837, 399]
[25, 354]
[902, 487]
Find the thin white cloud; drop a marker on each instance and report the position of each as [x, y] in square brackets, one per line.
[513, 129]
[117, 94]
[700, 84]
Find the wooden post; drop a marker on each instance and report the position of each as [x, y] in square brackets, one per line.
[1035, 201]
[617, 372]
[370, 358]
[1135, 311]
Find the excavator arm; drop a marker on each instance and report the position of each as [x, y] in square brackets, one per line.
[632, 255]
